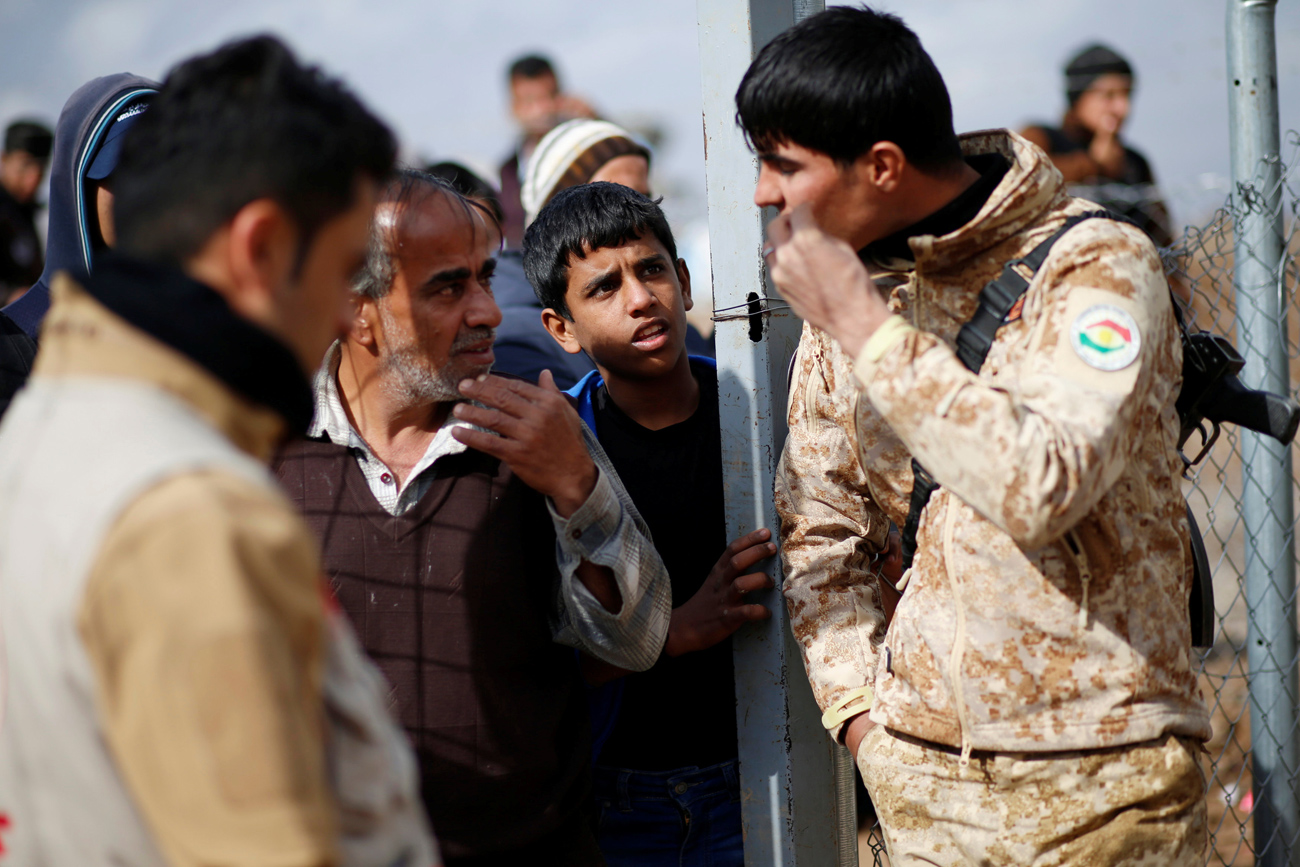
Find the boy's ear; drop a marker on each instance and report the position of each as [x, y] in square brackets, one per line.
[562, 330]
[684, 277]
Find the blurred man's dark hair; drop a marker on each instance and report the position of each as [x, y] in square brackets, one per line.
[842, 81]
[29, 137]
[581, 220]
[1090, 64]
[466, 182]
[286, 133]
[531, 66]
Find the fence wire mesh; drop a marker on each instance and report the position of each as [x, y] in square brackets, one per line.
[1204, 262]
[1200, 267]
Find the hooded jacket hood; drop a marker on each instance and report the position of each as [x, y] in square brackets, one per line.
[86, 117]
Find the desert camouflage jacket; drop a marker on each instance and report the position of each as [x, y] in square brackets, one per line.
[1046, 608]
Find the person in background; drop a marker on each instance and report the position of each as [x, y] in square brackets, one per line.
[537, 104]
[590, 151]
[1087, 147]
[181, 689]
[23, 159]
[604, 263]
[87, 143]
[475, 532]
[469, 184]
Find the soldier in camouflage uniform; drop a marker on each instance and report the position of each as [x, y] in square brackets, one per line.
[1033, 700]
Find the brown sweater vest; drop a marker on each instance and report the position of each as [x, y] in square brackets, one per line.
[451, 600]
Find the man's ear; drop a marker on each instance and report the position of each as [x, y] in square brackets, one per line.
[883, 165]
[562, 330]
[684, 277]
[366, 328]
[261, 252]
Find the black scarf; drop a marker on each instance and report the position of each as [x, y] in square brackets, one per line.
[198, 323]
[951, 217]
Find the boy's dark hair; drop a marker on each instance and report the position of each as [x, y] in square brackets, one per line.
[245, 122]
[586, 218]
[531, 66]
[30, 137]
[843, 80]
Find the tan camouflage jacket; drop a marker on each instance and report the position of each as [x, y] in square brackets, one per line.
[1046, 608]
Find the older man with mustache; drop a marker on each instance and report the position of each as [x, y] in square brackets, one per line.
[471, 526]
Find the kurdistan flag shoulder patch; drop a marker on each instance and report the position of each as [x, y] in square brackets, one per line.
[1105, 337]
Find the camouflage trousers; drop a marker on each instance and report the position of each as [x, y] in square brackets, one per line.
[1141, 804]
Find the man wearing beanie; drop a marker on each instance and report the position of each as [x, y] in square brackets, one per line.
[1087, 149]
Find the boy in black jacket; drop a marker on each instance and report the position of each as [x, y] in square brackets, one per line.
[603, 262]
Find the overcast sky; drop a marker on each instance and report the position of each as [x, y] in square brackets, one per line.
[434, 69]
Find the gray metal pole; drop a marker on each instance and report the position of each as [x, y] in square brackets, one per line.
[1266, 464]
[787, 762]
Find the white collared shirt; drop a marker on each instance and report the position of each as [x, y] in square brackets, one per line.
[331, 420]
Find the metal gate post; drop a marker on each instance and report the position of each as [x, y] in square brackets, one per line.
[787, 762]
[1266, 465]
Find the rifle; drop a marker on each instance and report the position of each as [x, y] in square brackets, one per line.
[1212, 393]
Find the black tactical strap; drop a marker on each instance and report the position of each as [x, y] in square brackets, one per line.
[997, 299]
[923, 485]
[1001, 294]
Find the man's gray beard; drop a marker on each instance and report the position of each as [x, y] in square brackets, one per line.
[409, 376]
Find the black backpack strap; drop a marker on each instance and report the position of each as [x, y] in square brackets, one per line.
[923, 486]
[997, 299]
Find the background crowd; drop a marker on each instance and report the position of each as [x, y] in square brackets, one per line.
[430, 523]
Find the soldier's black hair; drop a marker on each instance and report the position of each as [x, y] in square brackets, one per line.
[245, 122]
[843, 80]
[584, 219]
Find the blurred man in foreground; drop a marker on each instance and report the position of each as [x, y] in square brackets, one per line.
[23, 159]
[180, 691]
[472, 526]
[1087, 148]
[1033, 700]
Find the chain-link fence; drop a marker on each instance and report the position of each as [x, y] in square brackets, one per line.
[1205, 262]
[1201, 268]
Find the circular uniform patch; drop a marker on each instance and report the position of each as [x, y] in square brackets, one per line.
[1105, 337]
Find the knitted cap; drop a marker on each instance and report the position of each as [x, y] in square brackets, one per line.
[569, 155]
[1090, 64]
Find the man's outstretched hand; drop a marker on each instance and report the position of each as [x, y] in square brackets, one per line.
[823, 280]
[718, 608]
[535, 431]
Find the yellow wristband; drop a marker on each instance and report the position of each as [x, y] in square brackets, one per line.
[837, 713]
[890, 333]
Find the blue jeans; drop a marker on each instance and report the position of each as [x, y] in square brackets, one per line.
[689, 817]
